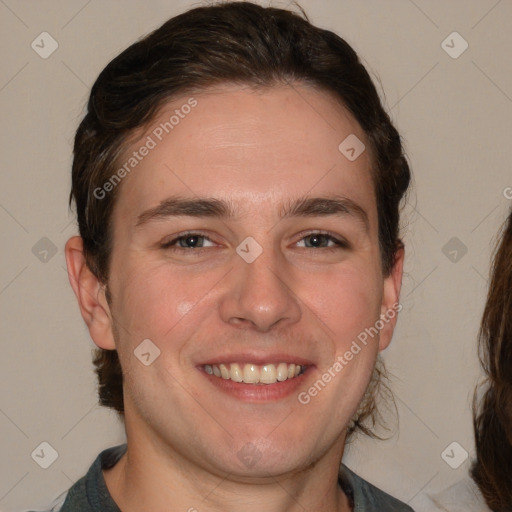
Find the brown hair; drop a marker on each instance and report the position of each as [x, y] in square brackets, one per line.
[232, 42]
[492, 470]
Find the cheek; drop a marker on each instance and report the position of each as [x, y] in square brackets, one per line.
[159, 302]
[165, 307]
[346, 302]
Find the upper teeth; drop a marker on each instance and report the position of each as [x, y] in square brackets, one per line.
[254, 374]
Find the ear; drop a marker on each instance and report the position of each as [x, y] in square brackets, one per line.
[90, 293]
[390, 301]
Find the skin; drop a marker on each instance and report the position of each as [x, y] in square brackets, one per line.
[260, 151]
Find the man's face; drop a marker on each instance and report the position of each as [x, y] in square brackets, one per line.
[246, 237]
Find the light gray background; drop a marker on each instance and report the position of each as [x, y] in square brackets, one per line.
[456, 118]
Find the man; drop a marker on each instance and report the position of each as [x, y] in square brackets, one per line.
[237, 185]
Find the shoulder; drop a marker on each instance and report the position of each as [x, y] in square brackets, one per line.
[90, 492]
[368, 498]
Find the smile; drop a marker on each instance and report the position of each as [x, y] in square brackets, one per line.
[255, 374]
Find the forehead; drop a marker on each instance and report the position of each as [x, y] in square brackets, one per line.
[253, 147]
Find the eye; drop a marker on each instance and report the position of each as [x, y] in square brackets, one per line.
[189, 241]
[320, 241]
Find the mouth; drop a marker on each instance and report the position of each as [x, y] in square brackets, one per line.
[257, 377]
[251, 373]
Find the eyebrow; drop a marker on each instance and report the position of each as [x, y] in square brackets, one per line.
[176, 207]
[327, 206]
[216, 208]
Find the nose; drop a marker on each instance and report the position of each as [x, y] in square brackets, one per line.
[259, 294]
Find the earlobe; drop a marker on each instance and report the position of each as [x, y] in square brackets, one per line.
[390, 302]
[90, 293]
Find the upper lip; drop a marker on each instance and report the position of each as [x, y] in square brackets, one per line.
[259, 359]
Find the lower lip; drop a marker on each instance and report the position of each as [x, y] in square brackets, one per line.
[258, 392]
